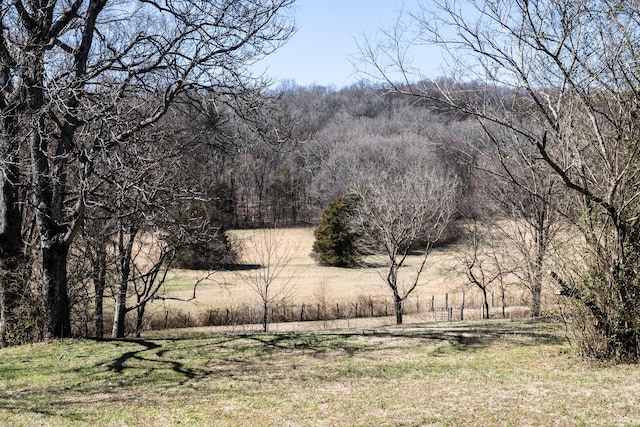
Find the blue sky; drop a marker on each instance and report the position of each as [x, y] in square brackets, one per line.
[318, 53]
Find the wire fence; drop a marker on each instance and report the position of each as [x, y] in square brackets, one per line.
[450, 308]
[447, 307]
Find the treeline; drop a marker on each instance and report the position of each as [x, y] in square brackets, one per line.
[315, 152]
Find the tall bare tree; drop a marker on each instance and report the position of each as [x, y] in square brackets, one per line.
[80, 76]
[517, 187]
[571, 68]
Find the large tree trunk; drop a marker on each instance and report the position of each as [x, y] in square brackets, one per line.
[3, 312]
[53, 246]
[48, 184]
[10, 247]
[57, 322]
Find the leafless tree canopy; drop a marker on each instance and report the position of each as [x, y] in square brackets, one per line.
[403, 202]
[561, 78]
[78, 77]
[272, 275]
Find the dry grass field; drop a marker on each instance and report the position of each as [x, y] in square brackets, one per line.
[328, 287]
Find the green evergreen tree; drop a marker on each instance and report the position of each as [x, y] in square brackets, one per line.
[335, 245]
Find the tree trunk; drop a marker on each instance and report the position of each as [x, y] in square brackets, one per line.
[10, 247]
[265, 316]
[3, 312]
[536, 295]
[536, 286]
[139, 320]
[48, 187]
[398, 307]
[485, 303]
[99, 285]
[126, 237]
[57, 322]
[120, 312]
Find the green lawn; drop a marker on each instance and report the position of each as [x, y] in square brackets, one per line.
[508, 373]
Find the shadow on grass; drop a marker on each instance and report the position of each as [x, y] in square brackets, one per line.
[118, 365]
[242, 267]
[250, 348]
[461, 338]
[139, 369]
[155, 356]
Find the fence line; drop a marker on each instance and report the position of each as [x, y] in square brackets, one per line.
[457, 306]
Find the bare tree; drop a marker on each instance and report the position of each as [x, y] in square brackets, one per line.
[403, 204]
[535, 225]
[518, 188]
[81, 76]
[270, 274]
[483, 261]
[570, 67]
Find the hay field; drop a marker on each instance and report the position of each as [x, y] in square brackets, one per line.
[313, 285]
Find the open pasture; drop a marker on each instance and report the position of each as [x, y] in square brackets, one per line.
[349, 292]
[480, 373]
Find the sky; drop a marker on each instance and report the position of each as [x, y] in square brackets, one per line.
[318, 53]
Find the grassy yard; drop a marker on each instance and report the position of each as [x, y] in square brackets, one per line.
[488, 373]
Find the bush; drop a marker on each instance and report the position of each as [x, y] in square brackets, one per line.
[203, 246]
[335, 245]
[214, 253]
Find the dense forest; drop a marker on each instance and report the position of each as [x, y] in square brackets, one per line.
[323, 138]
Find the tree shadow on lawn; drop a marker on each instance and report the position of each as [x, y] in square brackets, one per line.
[167, 363]
[154, 356]
[461, 338]
[230, 352]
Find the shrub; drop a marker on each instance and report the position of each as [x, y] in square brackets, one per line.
[202, 245]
